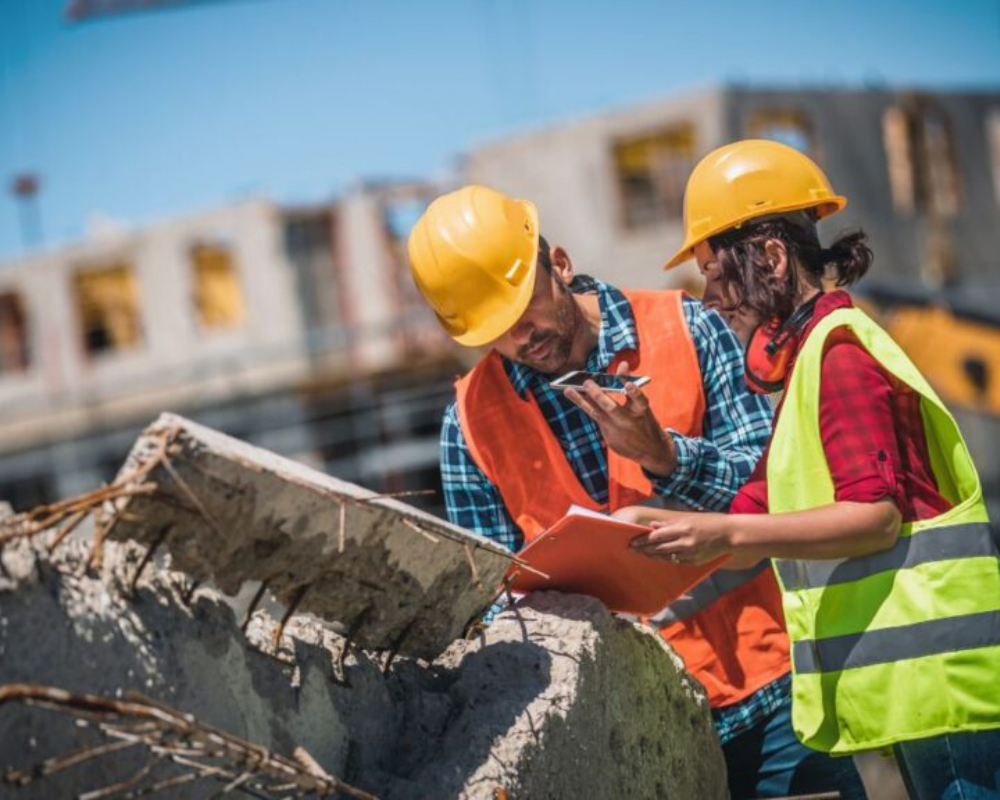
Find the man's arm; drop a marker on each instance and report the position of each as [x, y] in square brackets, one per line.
[471, 500]
[737, 424]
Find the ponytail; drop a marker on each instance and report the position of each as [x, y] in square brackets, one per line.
[849, 257]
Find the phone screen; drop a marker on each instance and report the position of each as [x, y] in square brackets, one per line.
[606, 381]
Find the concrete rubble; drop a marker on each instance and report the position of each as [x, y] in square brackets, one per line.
[557, 698]
[227, 512]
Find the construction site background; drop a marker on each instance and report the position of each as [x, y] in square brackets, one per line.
[299, 328]
[327, 631]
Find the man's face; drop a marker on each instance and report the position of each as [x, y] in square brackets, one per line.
[743, 321]
[544, 335]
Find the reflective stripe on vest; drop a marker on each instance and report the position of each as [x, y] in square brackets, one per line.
[935, 544]
[933, 637]
[707, 592]
[897, 645]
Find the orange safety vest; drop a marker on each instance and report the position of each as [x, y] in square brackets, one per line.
[729, 630]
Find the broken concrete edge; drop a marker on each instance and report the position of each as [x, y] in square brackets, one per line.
[396, 578]
[251, 456]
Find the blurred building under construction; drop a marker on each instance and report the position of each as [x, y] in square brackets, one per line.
[921, 170]
[299, 329]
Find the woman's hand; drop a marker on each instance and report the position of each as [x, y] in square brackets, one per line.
[687, 538]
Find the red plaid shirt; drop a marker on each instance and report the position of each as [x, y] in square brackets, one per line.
[871, 428]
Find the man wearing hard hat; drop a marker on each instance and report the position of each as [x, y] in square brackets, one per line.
[517, 452]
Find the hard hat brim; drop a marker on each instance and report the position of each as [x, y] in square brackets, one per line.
[829, 206]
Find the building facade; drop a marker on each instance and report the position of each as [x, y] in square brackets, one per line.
[295, 328]
[921, 169]
[300, 329]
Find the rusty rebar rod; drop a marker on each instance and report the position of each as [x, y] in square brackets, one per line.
[148, 556]
[258, 596]
[293, 606]
[165, 733]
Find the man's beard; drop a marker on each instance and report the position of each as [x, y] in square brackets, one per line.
[555, 357]
[554, 361]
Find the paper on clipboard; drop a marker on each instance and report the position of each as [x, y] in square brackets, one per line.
[587, 552]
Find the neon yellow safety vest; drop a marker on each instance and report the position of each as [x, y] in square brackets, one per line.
[902, 644]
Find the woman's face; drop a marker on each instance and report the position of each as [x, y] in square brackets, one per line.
[743, 321]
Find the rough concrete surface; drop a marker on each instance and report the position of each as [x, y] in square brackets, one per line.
[82, 634]
[231, 513]
[557, 699]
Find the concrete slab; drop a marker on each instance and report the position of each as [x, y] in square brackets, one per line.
[556, 699]
[391, 575]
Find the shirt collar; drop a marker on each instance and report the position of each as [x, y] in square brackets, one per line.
[825, 304]
[617, 333]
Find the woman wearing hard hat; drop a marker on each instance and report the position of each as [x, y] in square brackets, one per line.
[866, 499]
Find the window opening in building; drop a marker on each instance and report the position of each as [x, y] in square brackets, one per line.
[108, 307]
[942, 166]
[14, 352]
[993, 141]
[218, 296]
[652, 172]
[787, 126]
[922, 159]
[924, 180]
[311, 248]
[899, 157]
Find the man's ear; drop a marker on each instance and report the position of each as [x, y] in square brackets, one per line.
[777, 256]
[562, 264]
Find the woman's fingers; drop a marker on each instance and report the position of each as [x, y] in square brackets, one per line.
[664, 534]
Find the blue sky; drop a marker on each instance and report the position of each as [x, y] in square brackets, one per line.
[153, 114]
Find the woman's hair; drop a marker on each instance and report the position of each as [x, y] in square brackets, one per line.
[749, 279]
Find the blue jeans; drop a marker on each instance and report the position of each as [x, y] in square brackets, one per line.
[955, 766]
[769, 761]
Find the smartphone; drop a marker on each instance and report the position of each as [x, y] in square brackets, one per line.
[605, 380]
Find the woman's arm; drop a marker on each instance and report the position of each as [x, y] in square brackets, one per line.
[838, 530]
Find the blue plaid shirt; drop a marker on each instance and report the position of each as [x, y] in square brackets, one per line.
[710, 468]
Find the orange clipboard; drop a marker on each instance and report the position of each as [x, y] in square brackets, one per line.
[589, 553]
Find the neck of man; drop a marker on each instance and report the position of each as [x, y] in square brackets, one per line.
[588, 331]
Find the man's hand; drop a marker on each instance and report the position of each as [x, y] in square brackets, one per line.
[629, 428]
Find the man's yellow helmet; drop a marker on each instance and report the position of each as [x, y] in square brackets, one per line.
[473, 254]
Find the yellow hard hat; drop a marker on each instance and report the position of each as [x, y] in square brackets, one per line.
[749, 179]
[472, 255]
